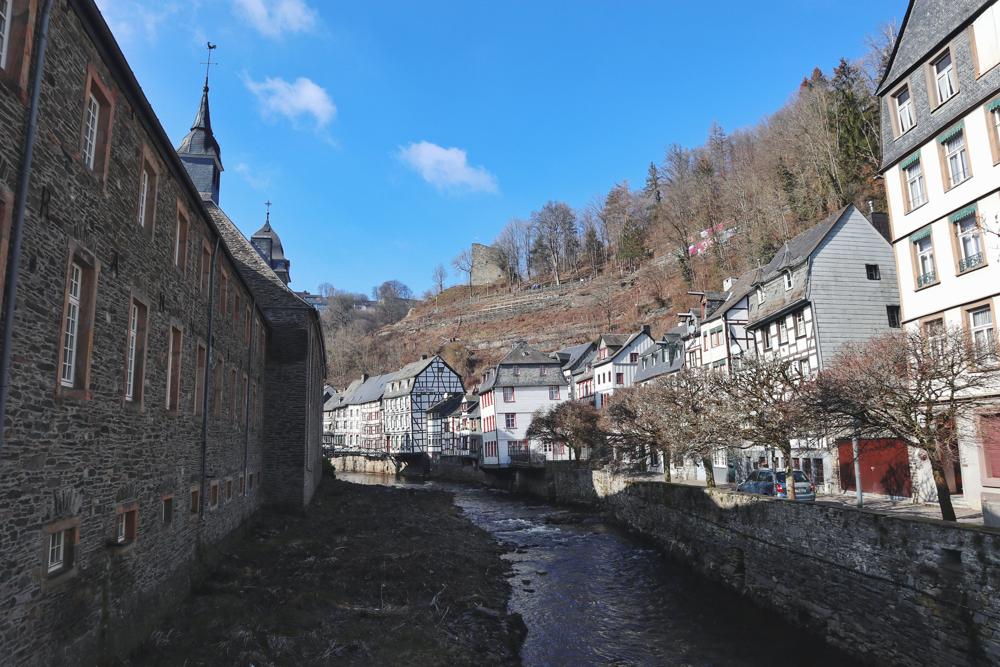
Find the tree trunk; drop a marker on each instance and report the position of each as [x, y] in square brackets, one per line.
[666, 466]
[789, 475]
[706, 462]
[943, 492]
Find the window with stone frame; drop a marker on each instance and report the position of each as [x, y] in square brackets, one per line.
[250, 482]
[206, 267]
[982, 333]
[925, 268]
[59, 544]
[213, 494]
[95, 135]
[914, 187]
[218, 378]
[126, 523]
[223, 302]
[955, 157]
[174, 359]
[194, 503]
[181, 240]
[167, 509]
[77, 323]
[904, 115]
[233, 393]
[244, 399]
[135, 351]
[229, 490]
[201, 359]
[6, 18]
[146, 209]
[968, 239]
[243, 485]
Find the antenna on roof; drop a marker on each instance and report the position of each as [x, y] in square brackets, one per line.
[208, 61]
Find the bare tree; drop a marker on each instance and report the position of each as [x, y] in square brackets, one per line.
[439, 276]
[919, 386]
[639, 427]
[553, 224]
[573, 424]
[463, 264]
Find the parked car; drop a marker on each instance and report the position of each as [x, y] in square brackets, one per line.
[770, 482]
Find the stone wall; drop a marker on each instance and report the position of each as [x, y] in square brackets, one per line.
[889, 590]
[347, 463]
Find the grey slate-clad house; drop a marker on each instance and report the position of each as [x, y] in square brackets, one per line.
[409, 393]
[576, 360]
[665, 357]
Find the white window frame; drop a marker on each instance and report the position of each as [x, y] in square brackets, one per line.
[71, 329]
[925, 257]
[800, 319]
[5, 11]
[93, 120]
[133, 335]
[788, 280]
[554, 393]
[143, 195]
[904, 110]
[944, 80]
[984, 335]
[120, 535]
[956, 156]
[968, 234]
[760, 296]
[57, 550]
[916, 192]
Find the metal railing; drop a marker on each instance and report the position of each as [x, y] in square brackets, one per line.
[970, 262]
[925, 279]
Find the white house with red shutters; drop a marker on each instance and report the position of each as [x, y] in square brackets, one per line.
[617, 362]
[525, 381]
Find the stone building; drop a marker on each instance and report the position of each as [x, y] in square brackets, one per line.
[163, 383]
[487, 267]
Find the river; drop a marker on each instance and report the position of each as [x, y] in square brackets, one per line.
[592, 594]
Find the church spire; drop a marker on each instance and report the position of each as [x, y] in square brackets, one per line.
[199, 150]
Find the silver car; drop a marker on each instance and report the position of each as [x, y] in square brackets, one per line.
[770, 482]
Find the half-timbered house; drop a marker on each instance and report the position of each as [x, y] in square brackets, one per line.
[409, 393]
[617, 362]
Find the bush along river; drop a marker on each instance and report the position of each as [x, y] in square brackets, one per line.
[591, 594]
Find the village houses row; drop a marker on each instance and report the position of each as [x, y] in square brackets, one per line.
[930, 264]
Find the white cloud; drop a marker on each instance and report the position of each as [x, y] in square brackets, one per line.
[276, 18]
[293, 99]
[446, 168]
[131, 19]
[256, 178]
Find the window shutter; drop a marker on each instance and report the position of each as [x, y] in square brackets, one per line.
[987, 35]
[921, 234]
[951, 132]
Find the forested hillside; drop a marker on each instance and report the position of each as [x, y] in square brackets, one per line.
[632, 255]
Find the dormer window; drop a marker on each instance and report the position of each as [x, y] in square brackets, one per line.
[788, 280]
[760, 296]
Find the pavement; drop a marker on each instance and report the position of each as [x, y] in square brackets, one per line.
[905, 507]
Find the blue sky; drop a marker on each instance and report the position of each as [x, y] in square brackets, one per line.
[390, 135]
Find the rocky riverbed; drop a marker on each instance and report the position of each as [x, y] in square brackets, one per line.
[371, 575]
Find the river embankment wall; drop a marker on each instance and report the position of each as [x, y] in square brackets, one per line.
[889, 590]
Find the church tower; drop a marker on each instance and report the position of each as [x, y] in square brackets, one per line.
[200, 152]
[267, 244]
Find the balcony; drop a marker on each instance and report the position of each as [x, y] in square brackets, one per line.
[925, 279]
[521, 455]
[970, 262]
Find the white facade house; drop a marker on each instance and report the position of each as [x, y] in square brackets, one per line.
[941, 162]
[724, 336]
[617, 362]
[525, 381]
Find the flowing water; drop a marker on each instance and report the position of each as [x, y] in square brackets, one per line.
[591, 594]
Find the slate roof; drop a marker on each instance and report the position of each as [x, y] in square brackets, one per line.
[614, 340]
[370, 390]
[569, 356]
[927, 24]
[798, 249]
[660, 367]
[524, 355]
[448, 406]
[628, 338]
[267, 232]
[743, 285]
[200, 140]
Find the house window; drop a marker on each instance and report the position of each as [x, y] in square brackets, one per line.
[96, 126]
[508, 394]
[60, 547]
[126, 523]
[553, 393]
[904, 110]
[250, 482]
[944, 78]
[765, 336]
[986, 35]
[174, 370]
[229, 490]
[510, 420]
[71, 328]
[218, 377]
[224, 292]
[781, 331]
[517, 371]
[233, 393]
[956, 158]
[619, 378]
[934, 334]
[983, 338]
[803, 367]
[135, 352]
[923, 250]
[180, 242]
[147, 197]
[4, 31]
[916, 193]
[788, 280]
[760, 296]
[245, 396]
[243, 485]
[206, 267]
[199, 379]
[195, 504]
[800, 324]
[872, 271]
[167, 510]
[970, 243]
[213, 495]
[892, 312]
[633, 357]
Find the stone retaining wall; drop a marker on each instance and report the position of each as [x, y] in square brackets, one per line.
[889, 590]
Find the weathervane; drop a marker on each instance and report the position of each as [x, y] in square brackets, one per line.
[208, 61]
[267, 205]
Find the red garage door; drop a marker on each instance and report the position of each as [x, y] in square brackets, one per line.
[989, 428]
[885, 467]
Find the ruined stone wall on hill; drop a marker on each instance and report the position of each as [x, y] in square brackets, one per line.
[487, 268]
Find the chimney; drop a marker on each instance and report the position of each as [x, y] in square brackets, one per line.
[423, 357]
[727, 284]
[646, 330]
[364, 377]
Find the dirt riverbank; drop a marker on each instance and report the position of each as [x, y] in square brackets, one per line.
[371, 575]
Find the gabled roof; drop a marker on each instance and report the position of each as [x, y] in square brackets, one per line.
[370, 390]
[524, 354]
[743, 285]
[613, 340]
[927, 24]
[575, 356]
[628, 341]
[448, 405]
[798, 249]
[652, 370]
[413, 369]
